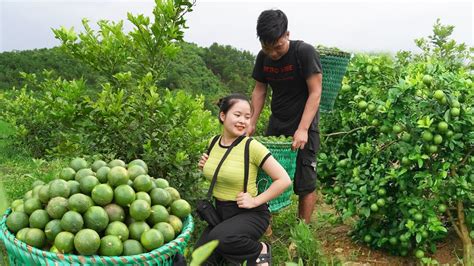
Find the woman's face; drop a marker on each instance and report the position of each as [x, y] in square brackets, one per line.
[237, 118]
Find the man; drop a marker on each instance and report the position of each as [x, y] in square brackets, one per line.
[293, 71]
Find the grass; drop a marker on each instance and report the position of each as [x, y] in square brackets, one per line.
[280, 238]
[4, 203]
[5, 132]
[294, 241]
[18, 170]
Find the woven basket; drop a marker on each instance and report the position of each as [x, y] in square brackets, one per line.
[19, 253]
[334, 63]
[282, 152]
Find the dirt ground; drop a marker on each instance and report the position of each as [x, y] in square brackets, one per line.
[336, 242]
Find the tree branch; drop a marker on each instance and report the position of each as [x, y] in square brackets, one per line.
[466, 157]
[455, 226]
[387, 145]
[461, 218]
[345, 133]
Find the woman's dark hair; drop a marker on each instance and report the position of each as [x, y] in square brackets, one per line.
[271, 25]
[228, 101]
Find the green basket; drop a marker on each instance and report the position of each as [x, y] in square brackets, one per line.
[334, 63]
[19, 253]
[282, 152]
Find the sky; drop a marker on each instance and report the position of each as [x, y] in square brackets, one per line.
[351, 25]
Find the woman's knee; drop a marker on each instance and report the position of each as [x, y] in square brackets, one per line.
[226, 241]
[203, 238]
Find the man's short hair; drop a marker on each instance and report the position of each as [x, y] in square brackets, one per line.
[271, 25]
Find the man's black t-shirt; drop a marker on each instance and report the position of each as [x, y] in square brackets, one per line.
[287, 78]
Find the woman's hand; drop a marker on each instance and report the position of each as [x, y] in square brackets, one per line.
[203, 161]
[246, 201]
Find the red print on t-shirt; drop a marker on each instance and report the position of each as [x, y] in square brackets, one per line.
[279, 70]
[276, 70]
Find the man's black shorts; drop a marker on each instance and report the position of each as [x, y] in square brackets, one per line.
[306, 164]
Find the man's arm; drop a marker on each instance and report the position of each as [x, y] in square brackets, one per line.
[258, 100]
[314, 83]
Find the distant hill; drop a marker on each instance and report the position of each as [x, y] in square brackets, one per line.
[212, 71]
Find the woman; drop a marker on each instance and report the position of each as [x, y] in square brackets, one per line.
[245, 215]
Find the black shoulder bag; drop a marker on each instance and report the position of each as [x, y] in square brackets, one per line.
[204, 208]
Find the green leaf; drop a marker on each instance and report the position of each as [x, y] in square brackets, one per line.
[424, 156]
[410, 224]
[200, 254]
[451, 146]
[447, 117]
[365, 211]
[425, 122]
[418, 237]
[444, 174]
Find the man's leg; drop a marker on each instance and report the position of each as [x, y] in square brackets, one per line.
[305, 177]
[306, 206]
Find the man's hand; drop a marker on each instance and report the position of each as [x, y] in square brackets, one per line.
[299, 139]
[314, 83]
[258, 101]
[203, 161]
[250, 130]
[246, 201]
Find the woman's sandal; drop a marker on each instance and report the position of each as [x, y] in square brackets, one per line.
[265, 258]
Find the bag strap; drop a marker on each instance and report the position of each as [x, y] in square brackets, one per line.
[298, 61]
[211, 145]
[246, 163]
[214, 178]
